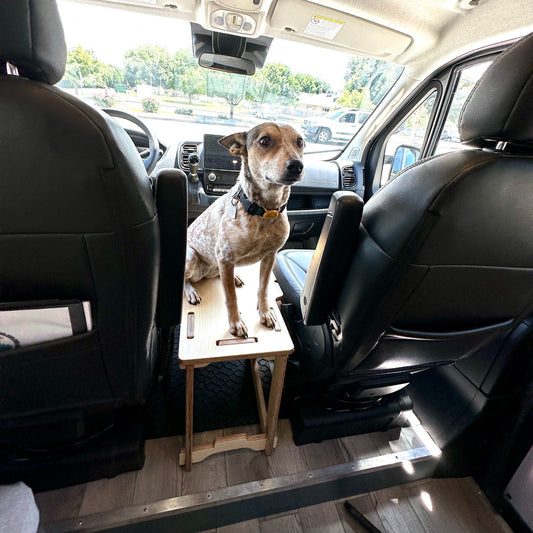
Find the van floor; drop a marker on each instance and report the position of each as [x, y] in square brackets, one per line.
[431, 505]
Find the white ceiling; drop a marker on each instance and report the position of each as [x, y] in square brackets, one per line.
[420, 34]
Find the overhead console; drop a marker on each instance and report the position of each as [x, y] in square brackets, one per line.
[241, 17]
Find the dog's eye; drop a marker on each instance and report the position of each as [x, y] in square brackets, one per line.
[265, 141]
[300, 142]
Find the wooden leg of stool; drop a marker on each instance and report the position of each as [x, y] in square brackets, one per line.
[189, 397]
[274, 400]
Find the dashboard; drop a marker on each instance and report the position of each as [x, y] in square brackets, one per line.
[218, 171]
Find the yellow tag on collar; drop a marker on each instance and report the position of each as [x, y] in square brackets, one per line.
[269, 214]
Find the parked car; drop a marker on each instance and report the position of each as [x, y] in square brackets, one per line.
[339, 125]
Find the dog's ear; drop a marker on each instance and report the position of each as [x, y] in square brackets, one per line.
[235, 143]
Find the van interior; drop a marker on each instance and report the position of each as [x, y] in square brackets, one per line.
[404, 289]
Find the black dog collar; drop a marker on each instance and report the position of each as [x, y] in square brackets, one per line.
[255, 209]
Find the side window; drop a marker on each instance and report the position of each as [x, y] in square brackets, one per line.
[348, 117]
[404, 145]
[468, 77]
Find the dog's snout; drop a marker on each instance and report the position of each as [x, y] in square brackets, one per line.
[294, 166]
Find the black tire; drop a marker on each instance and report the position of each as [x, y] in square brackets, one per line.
[323, 136]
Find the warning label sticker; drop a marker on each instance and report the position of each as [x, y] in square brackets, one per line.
[323, 27]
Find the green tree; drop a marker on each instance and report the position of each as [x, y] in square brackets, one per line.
[374, 74]
[181, 63]
[274, 83]
[192, 81]
[350, 98]
[83, 69]
[149, 64]
[309, 84]
[231, 87]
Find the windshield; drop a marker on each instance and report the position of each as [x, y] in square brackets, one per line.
[143, 64]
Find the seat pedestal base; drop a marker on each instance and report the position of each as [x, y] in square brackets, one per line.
[311, 421]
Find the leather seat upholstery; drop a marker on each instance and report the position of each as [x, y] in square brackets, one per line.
[78, 221]
[443, 266]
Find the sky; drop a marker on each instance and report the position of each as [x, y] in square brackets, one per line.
[110, 32]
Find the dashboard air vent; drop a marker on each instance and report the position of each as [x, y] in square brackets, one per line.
[185, 150]
[348, 177]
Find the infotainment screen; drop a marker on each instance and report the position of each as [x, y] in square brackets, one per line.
[216, 157]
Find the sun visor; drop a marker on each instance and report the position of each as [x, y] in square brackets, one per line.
[210, 42]
[319, 23]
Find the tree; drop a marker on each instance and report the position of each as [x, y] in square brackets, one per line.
[192, 81]
[182, 62]
[375, 74]
[309, 84]
[231, 87]
[274, 83]
[149, 64]
[350, 98]
[85, 70]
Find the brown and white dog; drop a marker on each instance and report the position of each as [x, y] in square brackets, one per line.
[249, 223]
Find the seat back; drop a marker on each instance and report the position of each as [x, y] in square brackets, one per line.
[443, 268]
[78, 222]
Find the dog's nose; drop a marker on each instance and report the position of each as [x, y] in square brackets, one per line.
[294, 166]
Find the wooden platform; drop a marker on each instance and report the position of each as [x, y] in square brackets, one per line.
[206, 339]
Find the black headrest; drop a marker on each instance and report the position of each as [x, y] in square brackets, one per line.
[500, 107]
[32, 39]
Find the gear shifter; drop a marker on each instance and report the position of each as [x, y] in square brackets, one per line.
[194, 161]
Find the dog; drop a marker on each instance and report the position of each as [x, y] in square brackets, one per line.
[249, 223]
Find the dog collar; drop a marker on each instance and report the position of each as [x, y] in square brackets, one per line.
[255, 209]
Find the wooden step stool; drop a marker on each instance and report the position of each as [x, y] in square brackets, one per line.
[205, 339]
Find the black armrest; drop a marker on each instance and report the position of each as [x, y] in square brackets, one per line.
[171, 202]
[331, 258]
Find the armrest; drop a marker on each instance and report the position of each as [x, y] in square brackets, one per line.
[171, 202]
[331, 258]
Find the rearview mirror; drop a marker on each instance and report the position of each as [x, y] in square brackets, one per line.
[235, 65]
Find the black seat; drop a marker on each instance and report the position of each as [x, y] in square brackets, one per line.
[78, 222]
[441, 265]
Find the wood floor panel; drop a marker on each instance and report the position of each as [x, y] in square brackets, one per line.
[209, 474]
[360, 447]
[244, 465]
[395, 511]
[107, 494]
[283, 524]
[250, 526]
[322, 518]
[160, 477]
[60, 504]
[287, 458]
[366, 507]
[457, 504]
[326, 453]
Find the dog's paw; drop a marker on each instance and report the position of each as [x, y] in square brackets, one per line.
[238, 282]
[192, 295]
[268, 318]
[238, 329]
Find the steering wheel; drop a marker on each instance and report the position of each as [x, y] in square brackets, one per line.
[149, 156]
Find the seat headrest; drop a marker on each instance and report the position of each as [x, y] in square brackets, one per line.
[500, 107]
[32, 39]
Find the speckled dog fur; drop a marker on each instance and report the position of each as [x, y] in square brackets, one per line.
[217, 242]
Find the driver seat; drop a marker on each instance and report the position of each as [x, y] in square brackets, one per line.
[78, 223]
[436, 271]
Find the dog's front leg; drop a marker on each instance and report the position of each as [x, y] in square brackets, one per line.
[265, 313]
[236, 326]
